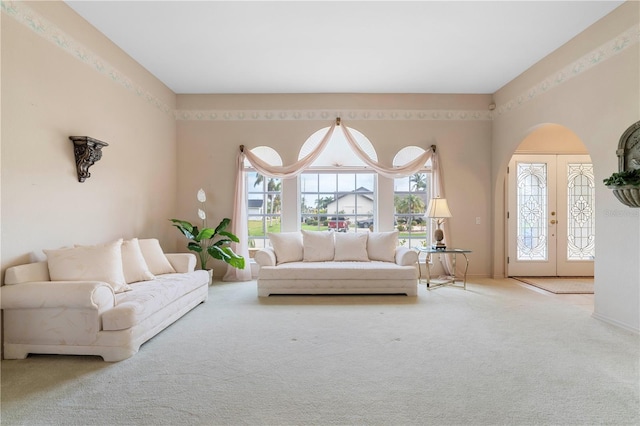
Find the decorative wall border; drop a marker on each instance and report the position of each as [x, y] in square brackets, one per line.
[25, 15]
[276, 115]
[45, 29]
[623, 41]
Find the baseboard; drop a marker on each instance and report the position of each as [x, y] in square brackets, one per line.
[617, 323]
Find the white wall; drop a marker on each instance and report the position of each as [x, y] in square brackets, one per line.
[596, 100]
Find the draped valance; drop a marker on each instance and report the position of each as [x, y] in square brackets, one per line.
[239, 222]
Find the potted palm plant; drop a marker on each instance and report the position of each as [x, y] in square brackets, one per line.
[210, 243]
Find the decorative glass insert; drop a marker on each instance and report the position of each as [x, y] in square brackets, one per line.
[580, 212]
[532, 212]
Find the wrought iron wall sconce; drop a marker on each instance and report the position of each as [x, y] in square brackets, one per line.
[87, 151]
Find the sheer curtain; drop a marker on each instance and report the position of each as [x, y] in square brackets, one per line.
[239, 222]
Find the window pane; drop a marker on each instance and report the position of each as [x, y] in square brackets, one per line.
[411, 197]
[339, 204]
[264, 206]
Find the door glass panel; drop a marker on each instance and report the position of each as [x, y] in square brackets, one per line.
[580, 209]
[532, 211]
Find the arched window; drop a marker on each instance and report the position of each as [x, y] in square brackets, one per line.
[338, 192]
[264, 199]
[411, 197]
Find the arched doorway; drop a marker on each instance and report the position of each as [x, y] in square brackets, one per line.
[550, 205]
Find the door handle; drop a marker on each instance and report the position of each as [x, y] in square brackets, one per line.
[553, 221]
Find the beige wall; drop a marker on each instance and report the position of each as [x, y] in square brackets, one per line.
[551, 139]
[597, 104]
[48, 94]
[207, 148]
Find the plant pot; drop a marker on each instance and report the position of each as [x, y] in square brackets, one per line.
[629, 195]
[210, 271]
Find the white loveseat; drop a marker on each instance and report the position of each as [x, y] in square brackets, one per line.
[320, 262]
[103, 300]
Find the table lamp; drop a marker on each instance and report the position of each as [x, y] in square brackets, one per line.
[438, 209]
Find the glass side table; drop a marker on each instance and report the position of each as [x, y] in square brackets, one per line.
[451, 280]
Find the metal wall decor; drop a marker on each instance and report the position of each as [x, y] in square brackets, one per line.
[87, 151]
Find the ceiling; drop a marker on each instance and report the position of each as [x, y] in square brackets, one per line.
[339, 46]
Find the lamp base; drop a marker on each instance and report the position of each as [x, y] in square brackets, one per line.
[438, 235]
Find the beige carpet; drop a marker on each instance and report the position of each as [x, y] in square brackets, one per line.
[495, 354]
[561, 285]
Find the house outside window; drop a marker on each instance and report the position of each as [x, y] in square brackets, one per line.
[342, 202]
[338, 192]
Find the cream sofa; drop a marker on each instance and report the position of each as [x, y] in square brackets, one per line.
[336, 263]
[102, 300]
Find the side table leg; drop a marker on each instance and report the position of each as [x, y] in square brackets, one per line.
[453, 275]
[465, 270]
[427, 260]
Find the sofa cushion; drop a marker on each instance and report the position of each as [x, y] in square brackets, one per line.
[318, 246]
[89, 263]
[154, 256]
[133, 264]
[351, 247]
[287, 246]
[149, 297]
[339, 271]
[382, 246]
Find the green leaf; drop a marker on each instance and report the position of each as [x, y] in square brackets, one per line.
[184, 227]
[222, 242]
[230, 236]
[626, 177]
[194, 247]
[227, 255]
[223, 225]
[205, 234]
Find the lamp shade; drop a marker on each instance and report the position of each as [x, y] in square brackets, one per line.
[438, 208]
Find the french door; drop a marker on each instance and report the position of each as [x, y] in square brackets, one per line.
[551, 230]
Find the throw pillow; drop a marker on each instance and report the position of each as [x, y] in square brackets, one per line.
[89, 263]
[382, 246]
[133, 264]
[287, 246]
[154, 256]
[351, 247]
[318, 246]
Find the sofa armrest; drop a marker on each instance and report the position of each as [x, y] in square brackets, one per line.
[405, 256]
[182, 262]
[37, 271]
[96, 295]
[265, 257]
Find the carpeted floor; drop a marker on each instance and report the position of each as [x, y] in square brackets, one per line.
[495, 354]
[561, 285]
